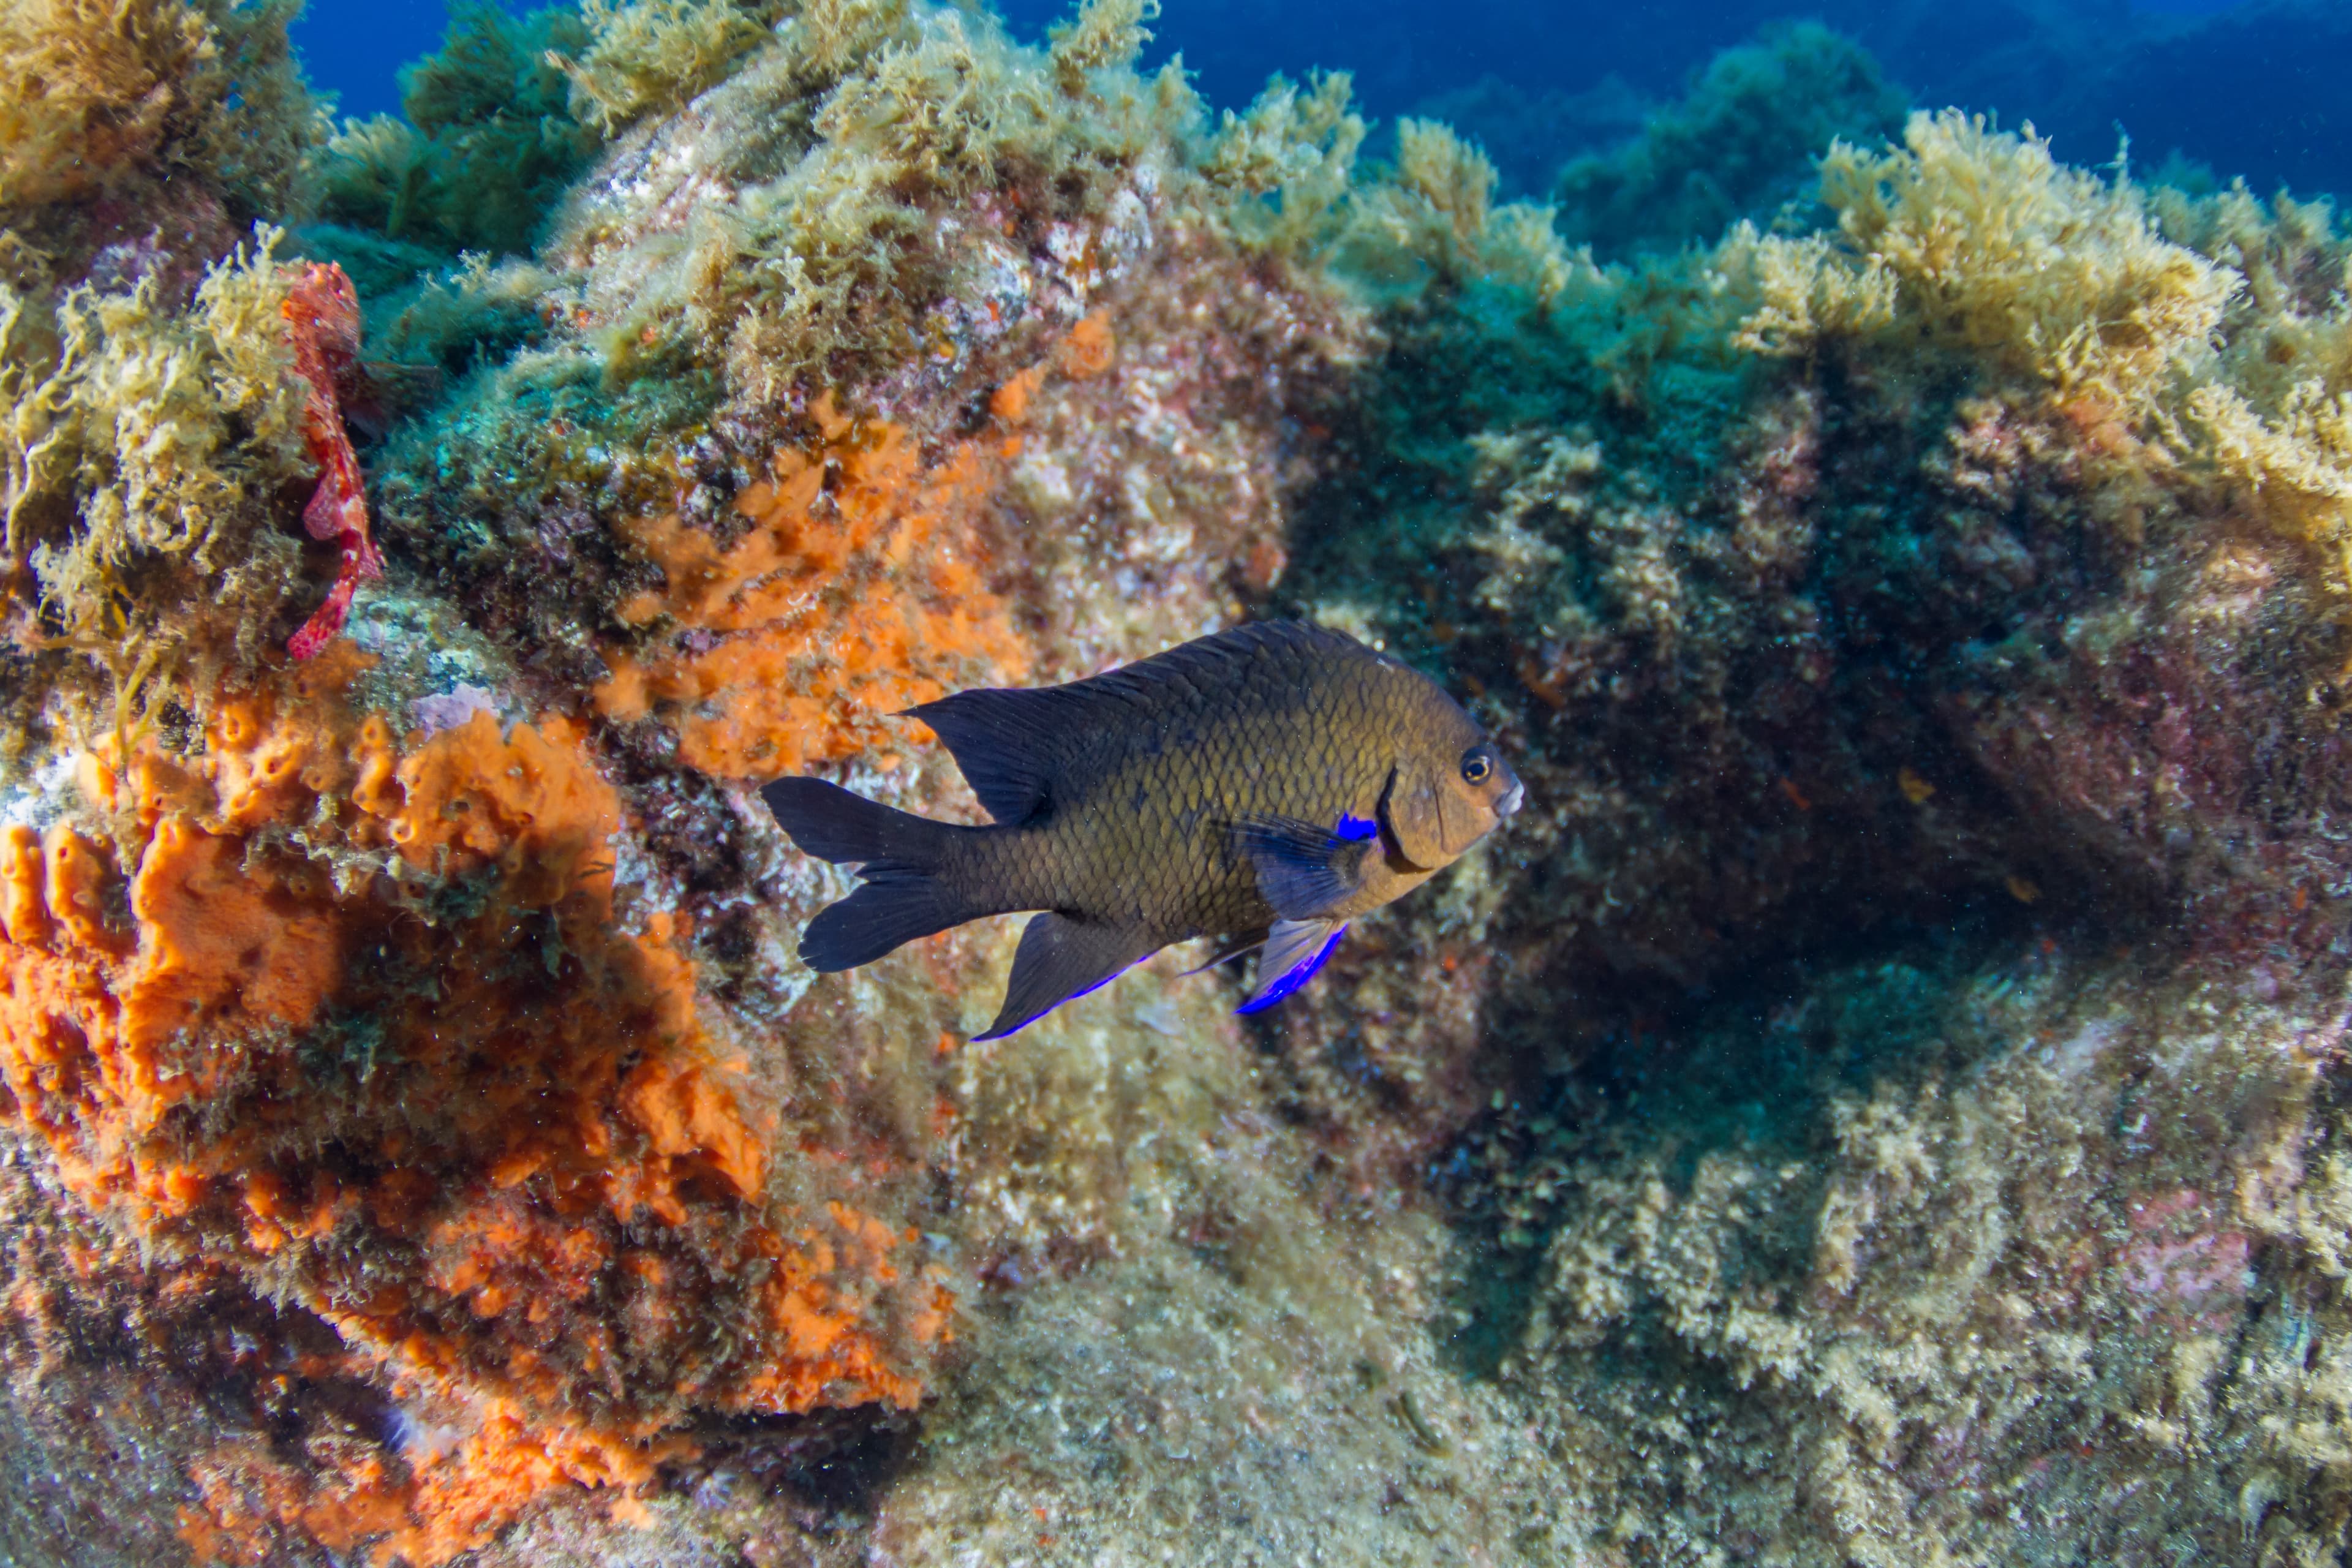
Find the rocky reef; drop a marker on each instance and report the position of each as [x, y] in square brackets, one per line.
[1877, 1104]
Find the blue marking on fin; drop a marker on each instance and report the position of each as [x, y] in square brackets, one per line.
[1060, 958]
[1000, 1034]
[1096, 986]
[1303, 868]
[1299, 974]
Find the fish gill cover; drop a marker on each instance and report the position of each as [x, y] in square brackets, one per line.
[1879, 1102]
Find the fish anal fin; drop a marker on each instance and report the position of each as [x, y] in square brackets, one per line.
[1060, 958]
[1303, 869]
[1293, 950]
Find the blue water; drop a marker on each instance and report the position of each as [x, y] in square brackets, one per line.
[2252, 88]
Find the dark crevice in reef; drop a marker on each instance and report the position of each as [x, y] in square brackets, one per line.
[832, 1465]
[1785, 763]
[1754, 1060]
[210, 1361]
[1787, 656]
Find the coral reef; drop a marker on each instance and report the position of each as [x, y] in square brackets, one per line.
[1846, 588]
[430, 986]
[1962, 1264]
[148, 450]
[1877, 1104]
[530, 1112]
[644, 56]
[141, 140]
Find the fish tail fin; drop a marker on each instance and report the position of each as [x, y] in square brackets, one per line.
[832, 823]
[899, 857]
[893, 908]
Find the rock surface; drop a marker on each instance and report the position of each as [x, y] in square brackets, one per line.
[1877, 1104]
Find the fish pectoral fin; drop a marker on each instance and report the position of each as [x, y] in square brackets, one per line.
[1060, 958]
[1294, 950]
[1303, 870]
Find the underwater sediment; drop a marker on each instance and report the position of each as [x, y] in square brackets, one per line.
[1878, 1101]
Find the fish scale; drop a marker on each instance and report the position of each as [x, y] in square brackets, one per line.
[1275, 779]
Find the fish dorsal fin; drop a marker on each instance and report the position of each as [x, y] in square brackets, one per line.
[1060, 958]
[1003, 739]
[1304, 870]
[1293, 950]
[1015, 745]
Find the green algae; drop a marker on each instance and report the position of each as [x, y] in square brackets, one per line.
[1740, 144]
[839, 140]
[146, 451]
[102, 94]
[642, 58]
[1997, 1262]
[487, 147]
[1702, 531]
[147, 425]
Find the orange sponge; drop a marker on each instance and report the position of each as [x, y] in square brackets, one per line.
[856, 591]
[372, 1013]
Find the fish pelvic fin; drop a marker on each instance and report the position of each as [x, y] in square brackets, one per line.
[1304, 870]
[1293, 950]
[1239, 948]
[1060, 958]
[898, 856]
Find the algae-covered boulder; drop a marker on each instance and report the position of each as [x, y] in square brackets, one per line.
[1875, 1104]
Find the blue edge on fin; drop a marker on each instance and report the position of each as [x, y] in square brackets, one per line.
[1347, 830]
[1300, 973]
[1073, 997]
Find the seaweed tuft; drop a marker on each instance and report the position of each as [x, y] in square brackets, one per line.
[1741, 144]
[487, 148]
[648, 56]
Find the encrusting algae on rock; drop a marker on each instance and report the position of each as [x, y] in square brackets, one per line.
[362, 980]
[419, 1142]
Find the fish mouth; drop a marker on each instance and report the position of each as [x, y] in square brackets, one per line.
[1511, 802]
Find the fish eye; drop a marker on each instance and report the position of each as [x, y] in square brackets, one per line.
[1477, 767]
